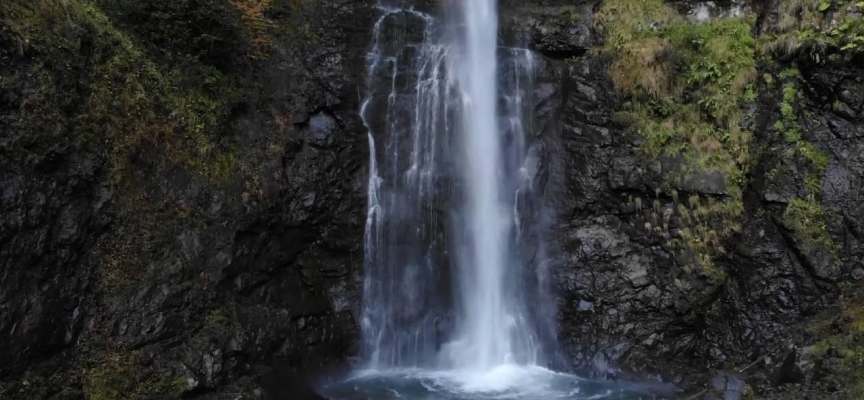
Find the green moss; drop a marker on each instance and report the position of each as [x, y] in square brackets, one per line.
[571, 14]
[788, 123]
[813, 184]
[848, 344]
[121, 377]
[688, 85]
[172, 112]
[791, 135]
[818, 28]
[853, 348]
[215, 318]
[805, 218]
[131, 102]
[855, 312]
[199, 110]
[750, 95]
[748, 393]
[39, 24]
[688, 82]
[811, 153]
[790, 74]
[88, 79]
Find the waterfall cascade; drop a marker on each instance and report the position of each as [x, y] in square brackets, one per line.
[491, 327]
[403, 310]
[454, 249]
[451, 175]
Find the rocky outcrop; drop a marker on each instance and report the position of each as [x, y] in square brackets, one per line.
[628, 304]
[223, 242]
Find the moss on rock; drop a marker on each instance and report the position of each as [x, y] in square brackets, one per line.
[130, 99]
[688, 85]
[122, 377]
[848, 345]
[804, 217]
[821, 29]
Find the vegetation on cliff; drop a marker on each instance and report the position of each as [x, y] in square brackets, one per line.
[821, 29]
[122, 377]
[690, 88]
[148, 84]
[150, 88]
[803, 215]
[688, 85]
[122, 116]
[130, 101]
[844, 341]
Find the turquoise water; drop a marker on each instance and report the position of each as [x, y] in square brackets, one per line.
[509, 382]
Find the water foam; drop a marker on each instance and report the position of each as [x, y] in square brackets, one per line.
[504, 382]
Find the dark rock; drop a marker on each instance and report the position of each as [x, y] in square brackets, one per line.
[726, 385]
[790, 369]
[201, 280]
[709, 182]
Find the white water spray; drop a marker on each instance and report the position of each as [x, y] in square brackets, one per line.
[490, 326]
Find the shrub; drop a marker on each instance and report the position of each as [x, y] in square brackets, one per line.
[806, 219]
[818, 28]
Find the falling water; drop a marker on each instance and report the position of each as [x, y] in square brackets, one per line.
[492, 330]
[406, 113]
[454, 247]
[450, 174]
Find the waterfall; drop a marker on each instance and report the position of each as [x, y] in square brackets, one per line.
[456, 303]
[452, 210]
[492, 329]
[407, 110]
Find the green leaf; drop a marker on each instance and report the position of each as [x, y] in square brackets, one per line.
[824, 6]
[845, 27]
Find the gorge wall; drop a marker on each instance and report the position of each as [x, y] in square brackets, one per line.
[182, 191]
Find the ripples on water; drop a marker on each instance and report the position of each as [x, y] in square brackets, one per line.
[510, 382]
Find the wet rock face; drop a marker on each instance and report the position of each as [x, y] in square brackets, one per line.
[44, 222]
[225, 276]
[625, 303]
[558, 30]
